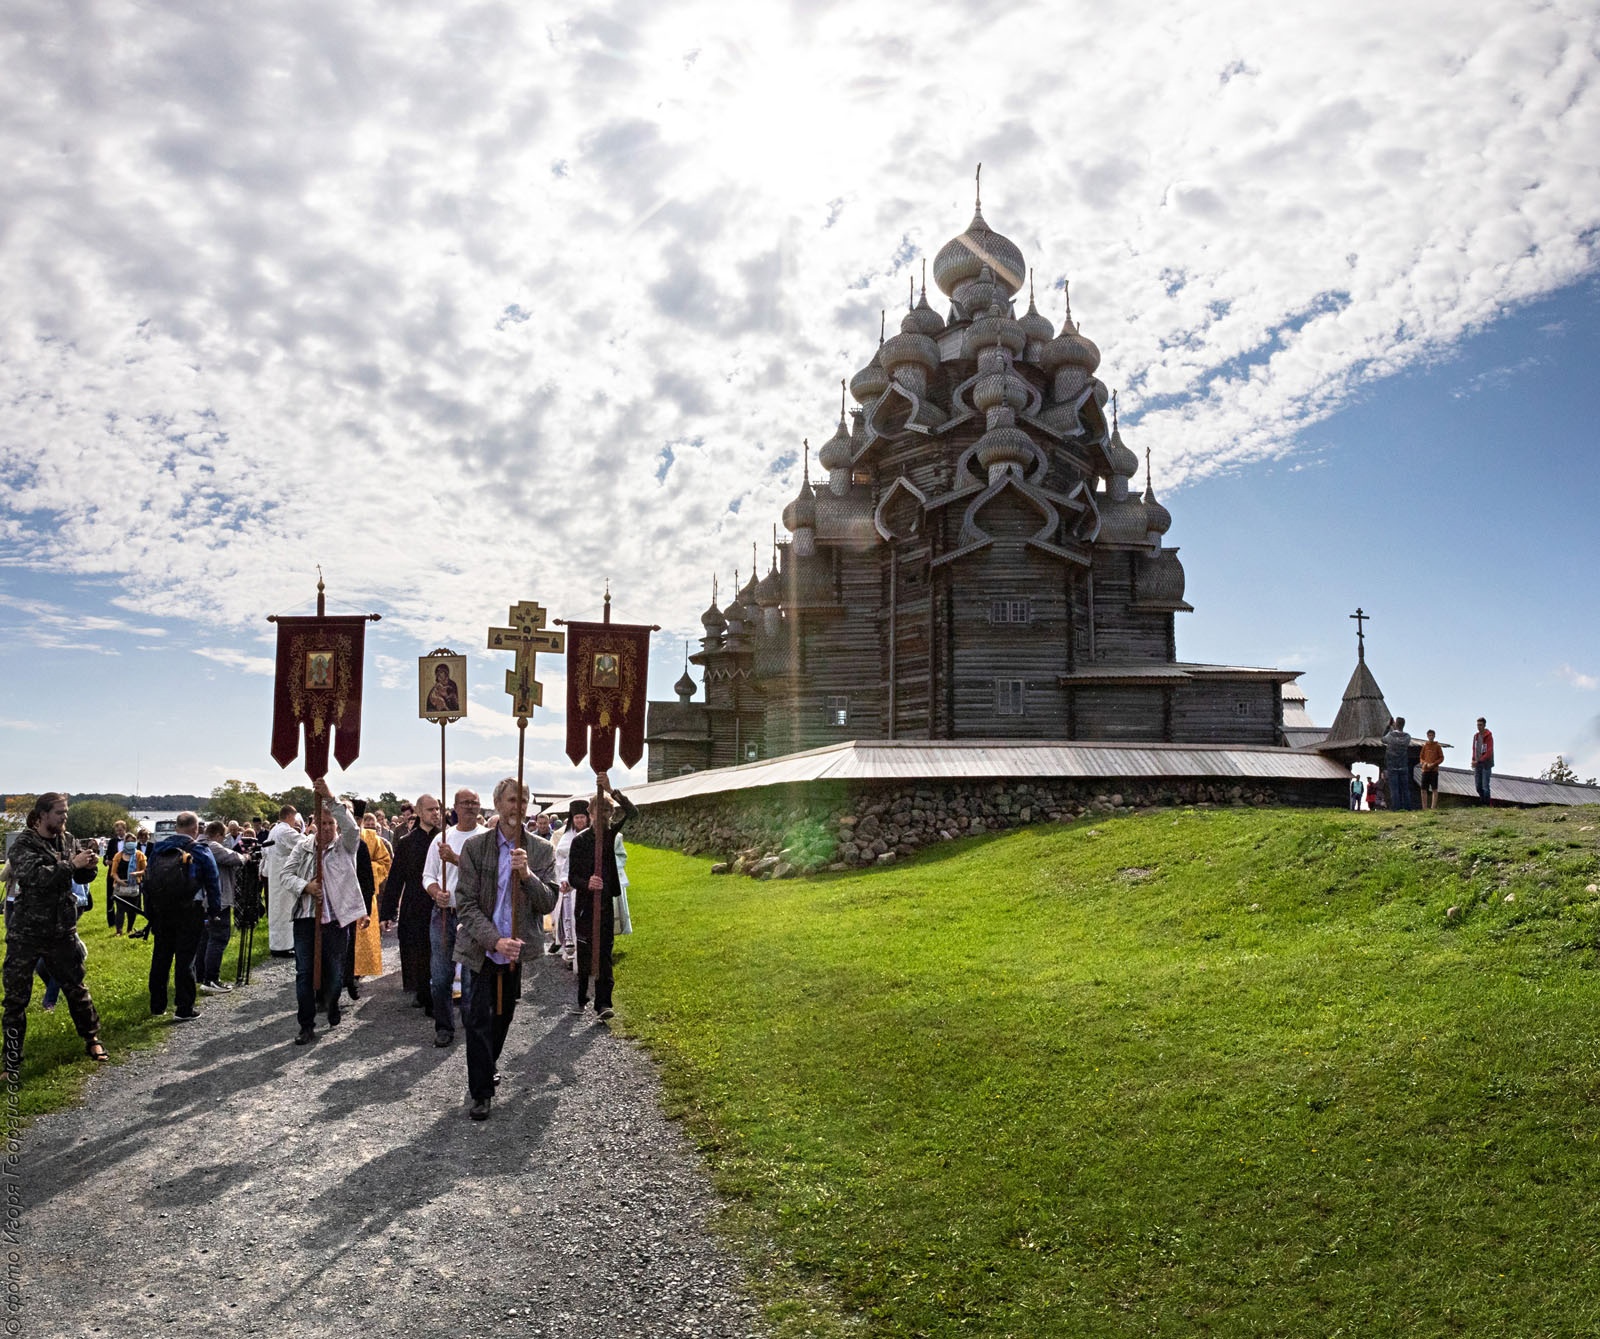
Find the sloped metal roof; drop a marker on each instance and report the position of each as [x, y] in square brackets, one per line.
[1517, 789]
[982, 759]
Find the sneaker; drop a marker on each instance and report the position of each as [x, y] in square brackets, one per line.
[222, 986]
[480, 1109]
[441, 1037]
[185, 1017]
[606, 1013]
[304, 1036]
[497, 1078]
[206, 988]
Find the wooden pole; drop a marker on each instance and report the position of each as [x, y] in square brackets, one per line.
[316, 902]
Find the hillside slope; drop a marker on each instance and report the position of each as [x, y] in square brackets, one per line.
[1192, 1072]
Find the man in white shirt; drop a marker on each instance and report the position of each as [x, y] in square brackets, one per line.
[282, 840]
[336, 901]
[439, 876]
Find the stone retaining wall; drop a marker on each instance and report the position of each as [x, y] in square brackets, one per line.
[777, 831]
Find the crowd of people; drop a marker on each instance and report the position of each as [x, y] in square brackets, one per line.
[471, 895]
[1404, 784]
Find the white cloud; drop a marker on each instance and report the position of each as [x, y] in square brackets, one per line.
[424, 295]
[236, 659]
[1588, 682]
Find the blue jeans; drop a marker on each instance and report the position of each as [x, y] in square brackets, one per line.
[305, 995]
[1480, 778]
[442, 969]
[1400, 788]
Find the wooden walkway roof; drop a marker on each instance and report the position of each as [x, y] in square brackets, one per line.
[999, 760]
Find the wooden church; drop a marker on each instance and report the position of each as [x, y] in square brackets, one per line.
[975, 564]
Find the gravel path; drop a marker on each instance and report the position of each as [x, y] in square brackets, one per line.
[234, 1183]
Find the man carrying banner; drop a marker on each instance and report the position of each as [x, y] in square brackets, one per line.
[505, 882]
[336, 900]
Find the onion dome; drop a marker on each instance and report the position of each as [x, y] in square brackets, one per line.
[961, 258]
[921, 319]
[836, 452]
[1158, 517]
[685, 686]
[1036, 327]
[801, 514]
[983, 292]
[713, 620]
[909, 347]
[1004, 445]
[769, 592]
[994, 327]
[1159, 579]
[738, 616]
[1069, 348]
[871, 381]
[998, 383]
[1123, 462]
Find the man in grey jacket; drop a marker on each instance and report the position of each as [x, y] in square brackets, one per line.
[219, 926]
[506, 881]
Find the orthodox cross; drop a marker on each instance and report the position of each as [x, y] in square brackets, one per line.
[525, 637]
[1360, 616]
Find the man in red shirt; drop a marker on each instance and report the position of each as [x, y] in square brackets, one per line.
[1482, 760]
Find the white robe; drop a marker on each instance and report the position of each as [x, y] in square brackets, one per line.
[566, 906]
[280, 903]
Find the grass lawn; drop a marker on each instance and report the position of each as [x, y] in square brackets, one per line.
[1193, 1072]
[118, 976]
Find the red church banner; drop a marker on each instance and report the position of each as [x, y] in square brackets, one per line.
[607, 664]
[318, 686]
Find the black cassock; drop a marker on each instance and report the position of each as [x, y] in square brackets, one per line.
[406, 901]
[580, 866]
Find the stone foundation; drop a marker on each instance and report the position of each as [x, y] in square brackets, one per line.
[779, 831]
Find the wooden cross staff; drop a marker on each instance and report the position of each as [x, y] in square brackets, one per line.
[525, 637]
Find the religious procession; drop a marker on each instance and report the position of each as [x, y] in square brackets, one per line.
[472, 895]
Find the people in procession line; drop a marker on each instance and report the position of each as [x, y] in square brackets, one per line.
[406, 907]
[440, 875]
[1428, 771]
[1483, 762]
[1397, 763]
[181, 890]
[505, 882]
[366, 946]
[335, 900]
[45, 866]
[281, 842]
[565, 932]
[588, 879]
[218, 925]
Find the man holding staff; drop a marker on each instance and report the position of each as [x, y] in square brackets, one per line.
[505, 882]
[589, 880]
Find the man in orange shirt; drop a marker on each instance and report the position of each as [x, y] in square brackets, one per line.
[1432, 756]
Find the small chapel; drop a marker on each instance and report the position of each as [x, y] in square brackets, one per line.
[974, 561]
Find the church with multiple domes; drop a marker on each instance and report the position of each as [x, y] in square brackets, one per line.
[974, 561]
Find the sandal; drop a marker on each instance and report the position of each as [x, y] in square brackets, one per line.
[97, 1052]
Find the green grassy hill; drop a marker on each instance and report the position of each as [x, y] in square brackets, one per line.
[1195, 1072]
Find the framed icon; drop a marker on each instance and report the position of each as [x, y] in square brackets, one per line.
[319, 669]
[607, 673]
[442, 687]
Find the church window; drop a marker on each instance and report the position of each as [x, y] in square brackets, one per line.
[839, 710]
[1243, 709]
[1010, 697]
[1009, 611]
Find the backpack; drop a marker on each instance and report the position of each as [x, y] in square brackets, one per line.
[170, 883]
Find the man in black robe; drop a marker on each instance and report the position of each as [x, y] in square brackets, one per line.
[406, 905]
[585, 881]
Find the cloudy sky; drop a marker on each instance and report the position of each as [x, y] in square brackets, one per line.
[471, 304]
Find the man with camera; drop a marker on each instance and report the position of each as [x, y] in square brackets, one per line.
[46, 863]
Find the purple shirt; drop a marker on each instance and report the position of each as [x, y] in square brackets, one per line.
[502, 903]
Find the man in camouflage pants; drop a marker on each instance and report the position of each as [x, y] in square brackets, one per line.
[44, 924]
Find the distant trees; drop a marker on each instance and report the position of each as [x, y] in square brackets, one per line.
[1561, 770]
[240, 802]
[94, 818]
